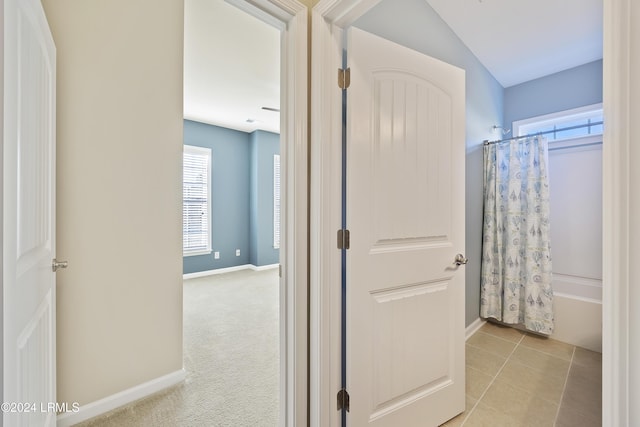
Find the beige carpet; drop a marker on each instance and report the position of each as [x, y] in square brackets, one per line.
[231, 355]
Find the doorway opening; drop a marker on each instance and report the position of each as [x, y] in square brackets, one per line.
[231, 224]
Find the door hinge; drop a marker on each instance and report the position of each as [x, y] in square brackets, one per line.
[343, 400]
[344, 78]
[344, 239]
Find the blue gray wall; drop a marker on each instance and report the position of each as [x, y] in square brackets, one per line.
[423, 30]
[263, 146]
[561, 91]
[231, 173]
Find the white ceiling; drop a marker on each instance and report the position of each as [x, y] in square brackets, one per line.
[231, 67]
[521, 40]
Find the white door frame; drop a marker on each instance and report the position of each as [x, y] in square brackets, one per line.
[294, 174]
[1, 200]
[621, 345]
[329, 18]
[621, 227]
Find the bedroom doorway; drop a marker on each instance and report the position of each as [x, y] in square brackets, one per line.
[231, 213]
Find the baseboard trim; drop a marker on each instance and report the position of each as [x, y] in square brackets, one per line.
[228, 270]
[473, 328]
[263, 267]
[122, 398]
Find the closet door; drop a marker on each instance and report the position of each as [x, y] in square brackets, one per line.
[29, 281]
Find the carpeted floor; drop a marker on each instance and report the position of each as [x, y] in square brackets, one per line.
[231, 356]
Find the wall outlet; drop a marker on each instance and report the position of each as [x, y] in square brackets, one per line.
[237, 252]
[216, 255]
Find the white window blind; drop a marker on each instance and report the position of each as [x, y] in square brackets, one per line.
[276, 201]
[196, 203]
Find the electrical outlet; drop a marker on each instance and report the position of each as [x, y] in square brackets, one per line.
[216, 255]
[237, 252]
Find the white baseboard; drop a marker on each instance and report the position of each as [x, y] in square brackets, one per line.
[122, 398]
[263, 267]
[228, 270]
[473, 327]
[216, 271]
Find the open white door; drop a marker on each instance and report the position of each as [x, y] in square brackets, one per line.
[405, 213]
[29, 216]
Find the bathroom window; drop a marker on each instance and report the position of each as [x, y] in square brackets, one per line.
[196, 201]
[584, 122]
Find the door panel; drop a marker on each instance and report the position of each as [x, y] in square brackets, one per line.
[405, 213]
[29, 214]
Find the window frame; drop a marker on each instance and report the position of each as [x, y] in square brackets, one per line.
[527, 126]
[193, 149]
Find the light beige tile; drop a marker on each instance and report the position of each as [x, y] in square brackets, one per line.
[583, 394]
[519, 404]
[586, 376]
[476, 382]
[484, 361]
[459, 420]
[492, 344]
[543, 362]
[569, 417]
[547, 387]
[587, 358]
[549, 346]
[504, 332]
[485, 416]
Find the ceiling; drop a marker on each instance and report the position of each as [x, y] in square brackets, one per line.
[232, 59]
[521, 40]
[231, 67]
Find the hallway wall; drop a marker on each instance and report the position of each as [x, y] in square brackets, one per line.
[119, 136]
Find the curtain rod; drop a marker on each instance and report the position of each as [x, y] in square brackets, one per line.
[487, 142]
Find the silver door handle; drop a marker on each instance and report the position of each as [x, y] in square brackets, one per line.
[57, 265]
[460, 260]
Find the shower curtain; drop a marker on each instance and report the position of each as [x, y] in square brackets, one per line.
[516, 258]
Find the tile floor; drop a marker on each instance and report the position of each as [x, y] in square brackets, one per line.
[519, 379]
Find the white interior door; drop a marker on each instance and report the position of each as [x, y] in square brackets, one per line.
[405, 213]
[29, 216]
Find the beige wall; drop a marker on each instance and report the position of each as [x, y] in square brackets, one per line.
[119, 193]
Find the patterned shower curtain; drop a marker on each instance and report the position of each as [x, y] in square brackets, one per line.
[516, 258]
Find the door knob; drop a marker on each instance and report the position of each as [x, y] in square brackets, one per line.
[57, 265]
[460, 260]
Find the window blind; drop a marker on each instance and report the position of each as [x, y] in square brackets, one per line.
[276, 201]
[196, 229]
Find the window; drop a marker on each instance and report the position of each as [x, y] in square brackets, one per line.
[196, 203]
[582, 122]
[276, 201]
